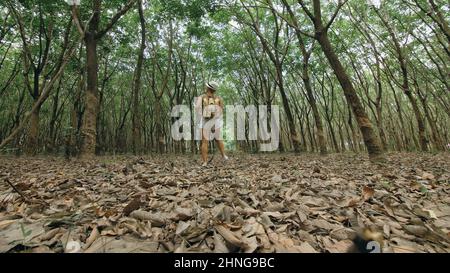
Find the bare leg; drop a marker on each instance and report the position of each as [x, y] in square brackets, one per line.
[219, 142]
[204, 147]
[221, 147]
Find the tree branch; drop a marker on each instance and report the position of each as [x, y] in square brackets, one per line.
[78, 23]
[336, 12]
[23, 36]
[115, 18]
[306, 10]
[293, 24]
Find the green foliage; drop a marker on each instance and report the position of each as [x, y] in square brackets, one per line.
[214, 39]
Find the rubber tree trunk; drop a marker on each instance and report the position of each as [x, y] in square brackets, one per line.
[89, 129]
[290, 118]
[33, 133]
[315, 111]
[371, 139]
[137, 145]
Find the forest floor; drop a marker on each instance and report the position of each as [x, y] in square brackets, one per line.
[252, 203]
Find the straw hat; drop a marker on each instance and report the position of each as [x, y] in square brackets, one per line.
[213, 86]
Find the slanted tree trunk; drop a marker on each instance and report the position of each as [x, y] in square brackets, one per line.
[370, 138]
[306, 54]
[160, 142]
[273, 52]
[436, 15]
[355, 139]
[52, 124]
[437, 141]
[37, 63]
[315, 111]
[405, 84]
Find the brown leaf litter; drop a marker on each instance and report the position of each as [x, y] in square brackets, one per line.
[253, 203]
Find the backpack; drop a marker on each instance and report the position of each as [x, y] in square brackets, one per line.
[206, 101]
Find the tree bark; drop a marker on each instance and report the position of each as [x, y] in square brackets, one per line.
[89, 127]
[33, 133]
[137, 86]
[370, 138]
[91, 37]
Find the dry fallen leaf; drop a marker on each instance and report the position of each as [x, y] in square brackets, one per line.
[182, 227]
[154, 218]
[428, 176]
[339, 247]
[219, 244]
[416, 230]
[132, 206]
[92, 237]
[403, 249]
[231, 237]
[5, 223]
[306, 248]
[50, 234]
[368, 193]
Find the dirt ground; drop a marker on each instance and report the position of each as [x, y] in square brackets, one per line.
[252, 203]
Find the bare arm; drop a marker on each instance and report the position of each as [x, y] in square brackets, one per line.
[220, 107]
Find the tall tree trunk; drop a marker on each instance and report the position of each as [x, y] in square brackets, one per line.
[379, 102]
[355, 140]
[316, 115]
[92, 35]
[311, 135]
[160, 141]
[54, 117]
[33, 130]
[33, 133]
[137, 86]
[351, 145]
[341, 136]
[380, 125]
[89, 127]
[400, 117]
[419, 118]
[418, 115]
[290, 118]
[332, 134]
[273, 52]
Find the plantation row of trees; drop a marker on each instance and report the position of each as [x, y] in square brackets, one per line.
[102, 77]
